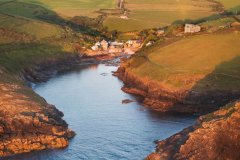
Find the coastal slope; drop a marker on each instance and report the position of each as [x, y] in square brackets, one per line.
[28, 122]
[215, 136]
[35, 44]
[193, 74]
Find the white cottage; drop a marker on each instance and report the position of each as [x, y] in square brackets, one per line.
[191, 28]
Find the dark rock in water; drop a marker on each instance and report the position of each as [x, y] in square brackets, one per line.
[156, 141]
[125, 101]
[103, 74]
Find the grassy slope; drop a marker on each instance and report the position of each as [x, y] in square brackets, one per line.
[212, 58]
[218, 22]
[228, 4]
[34, 28]
[26, 40]
[231, 5]
[23, 18]
[73, 8]
[149, 14]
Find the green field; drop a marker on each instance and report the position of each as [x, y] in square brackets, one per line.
[71, 8]
[148, 14]
[37, 29]
[213, 60]
[31, 33]
[143, 14]
[228, 4]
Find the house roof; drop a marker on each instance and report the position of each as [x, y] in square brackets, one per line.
[116, 43]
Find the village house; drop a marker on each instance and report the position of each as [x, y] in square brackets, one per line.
[104, 45]
[133, 43]
[96, 47]
[191, 28]
[116, 47]
[149, 43]
[160, 32]
[124, 17]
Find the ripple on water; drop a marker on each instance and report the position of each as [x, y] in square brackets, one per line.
[106, 128]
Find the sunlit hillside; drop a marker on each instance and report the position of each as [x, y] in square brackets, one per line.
[148, 14]
[213, 58]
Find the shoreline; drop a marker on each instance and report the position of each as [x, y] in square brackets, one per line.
[163, 99]
[206, 139]
[219, 117]
[29, 122]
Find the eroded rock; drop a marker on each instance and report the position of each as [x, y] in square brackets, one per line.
[28, 123]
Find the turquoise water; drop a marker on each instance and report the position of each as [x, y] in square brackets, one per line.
[91, 100]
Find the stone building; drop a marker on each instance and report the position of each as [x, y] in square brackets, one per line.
[104, 45]
[191, 28]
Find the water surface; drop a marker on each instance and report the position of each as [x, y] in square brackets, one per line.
[91, 100]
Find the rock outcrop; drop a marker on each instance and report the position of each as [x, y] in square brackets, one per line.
[44, 70]
[216, 136]
[28, 123]
[165, 99]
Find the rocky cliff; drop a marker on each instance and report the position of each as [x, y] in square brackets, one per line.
[160, 97]
[216, 136]
[27, 121]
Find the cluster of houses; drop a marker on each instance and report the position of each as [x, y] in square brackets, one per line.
[128, 47]
[131, 46]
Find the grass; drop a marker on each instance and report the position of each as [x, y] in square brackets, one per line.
[71, 8]
[213, 59]
[228, 4]
[143, 14]
[231, 5]
[37, 29]
[25, 39]
[218, 22]
[149, 14]
[15, 57]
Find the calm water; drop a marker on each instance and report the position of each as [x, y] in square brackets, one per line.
[91, 99]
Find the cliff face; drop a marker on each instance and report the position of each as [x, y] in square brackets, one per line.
[215, 137]
[161, 98]
[42, 71]
[27, 121]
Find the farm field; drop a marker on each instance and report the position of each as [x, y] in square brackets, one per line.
[148, 14]
[37, 29]
[217, 64]
[71, 8]
[228, 4]
[143, 14]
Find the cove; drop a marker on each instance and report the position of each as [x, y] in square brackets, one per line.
[91, 100]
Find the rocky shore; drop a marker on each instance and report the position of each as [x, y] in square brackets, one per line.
[215, 136]
[163, 99]
[27, 121]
